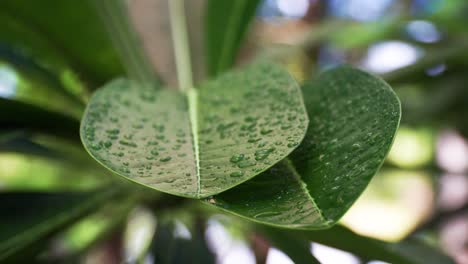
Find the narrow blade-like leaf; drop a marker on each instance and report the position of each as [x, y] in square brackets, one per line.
[408, 251]
[226, 23]
[19, 115]
[296, 247]
[200, 143]
[167, 247]
[353, 120]
[62, 33]
[34, 216]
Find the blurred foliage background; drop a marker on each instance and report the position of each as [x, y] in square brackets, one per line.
[419, 46]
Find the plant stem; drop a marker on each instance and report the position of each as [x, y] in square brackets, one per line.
[181, 44]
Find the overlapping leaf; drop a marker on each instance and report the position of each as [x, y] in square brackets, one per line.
[353, 120]
[200, 143]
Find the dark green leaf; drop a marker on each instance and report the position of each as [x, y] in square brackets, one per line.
[63, 33]
[167, 248]
[297, 248]
[83, 236]
[20, 143]
[201, 143]
[226, 23]
[18, 115]
[353, 120]
[410, 251]
[36, 83]
[32, 217]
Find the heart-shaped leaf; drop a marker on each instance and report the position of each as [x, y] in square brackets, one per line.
[200, 143]
[353, 120]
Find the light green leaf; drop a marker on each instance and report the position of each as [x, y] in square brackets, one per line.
[226, 23]
[353, 120]
[32, 217]
[409, 251]
[19, 172]
[200, 143]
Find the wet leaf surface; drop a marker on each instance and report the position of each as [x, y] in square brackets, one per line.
[199, 143]
[353, 120]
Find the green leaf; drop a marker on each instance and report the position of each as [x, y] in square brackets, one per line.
[168, 248]
[23, 144]
[69, 34]
[20, 172]
[19, 115]
[226, 23]
[297, 248]
[200, 143]
[353, 120]
[35, 83]
[83, 236]
[33, 217]
[409, 251]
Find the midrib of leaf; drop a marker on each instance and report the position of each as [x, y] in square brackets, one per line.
[192, 97]
[184, 74]
[303, 187]
[229, 40]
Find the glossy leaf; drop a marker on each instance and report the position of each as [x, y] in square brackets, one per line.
[353, 120]
[200, 143]
[34, 216]
[409, 251]
[226, 23]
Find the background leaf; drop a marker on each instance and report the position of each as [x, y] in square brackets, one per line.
[168, 247]
[353, 120]
[19, 115]
[34, 216]
[410, 251]
[116, 19]
[228, 131]
[297, 249]
[226, 23]
[42, 29]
